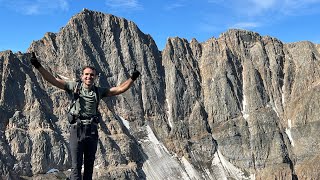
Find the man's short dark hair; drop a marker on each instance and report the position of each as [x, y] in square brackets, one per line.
[90, 67]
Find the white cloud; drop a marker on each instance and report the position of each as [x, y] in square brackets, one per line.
[262, 7]
[125, 4]
[32, 7]
[174, 6]
[300, 7]
[253, 14]
[246, 25]
[265, 4]
[63, 4]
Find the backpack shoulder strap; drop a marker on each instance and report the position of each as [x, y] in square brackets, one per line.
[96, 89]
[75, 94]
[76, 90]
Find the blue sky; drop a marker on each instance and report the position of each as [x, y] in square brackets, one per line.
[23, 21]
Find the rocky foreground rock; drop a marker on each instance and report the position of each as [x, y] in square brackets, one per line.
[240, 106]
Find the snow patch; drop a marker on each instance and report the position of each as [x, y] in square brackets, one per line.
[227, 169]
[63, 77]
[125, 122]
[244, 106]
[245, 116]
[169, 113]
[274, 108]
[159, 163]
[193, 174]
[282, 95]
[52, 171]
[288, 132]
[155, 141]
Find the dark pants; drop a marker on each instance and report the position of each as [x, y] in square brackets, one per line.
[83, 146]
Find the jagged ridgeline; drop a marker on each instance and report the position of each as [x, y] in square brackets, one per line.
[241, 106]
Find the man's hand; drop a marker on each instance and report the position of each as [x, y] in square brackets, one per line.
[135, 74]
[34, 61]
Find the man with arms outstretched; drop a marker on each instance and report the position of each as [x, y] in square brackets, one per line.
[83, 114]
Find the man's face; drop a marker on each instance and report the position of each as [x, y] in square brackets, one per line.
[88, 76]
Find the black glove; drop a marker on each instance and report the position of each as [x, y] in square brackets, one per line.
[34, 61]
[135, 74]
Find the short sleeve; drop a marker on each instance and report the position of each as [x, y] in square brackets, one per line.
[103, 91]
[69, 86]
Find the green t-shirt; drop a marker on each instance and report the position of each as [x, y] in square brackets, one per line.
[86, 104]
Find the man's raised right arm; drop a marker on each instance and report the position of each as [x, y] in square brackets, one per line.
[45, 74]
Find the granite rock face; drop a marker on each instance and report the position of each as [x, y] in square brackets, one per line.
[240, 106]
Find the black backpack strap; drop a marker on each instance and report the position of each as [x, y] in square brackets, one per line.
[75, 94]
[96, 89]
